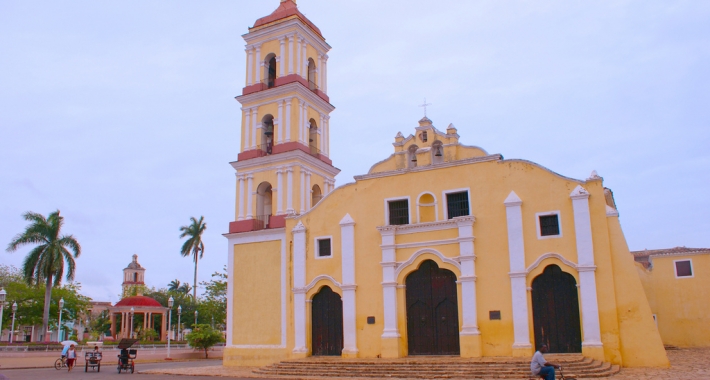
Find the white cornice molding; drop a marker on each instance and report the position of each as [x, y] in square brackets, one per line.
[285, 29]
[285, 92]
[299, 228]
[256, 236]
[416, 228]
[611, 212]
[513, 200]
[553, 256]
[467, 161]
[313, 163]
[347, 220]
[315, 281]
[424, 251]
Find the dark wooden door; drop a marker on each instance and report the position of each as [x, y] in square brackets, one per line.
[556, 311]
[327, 323]
[432, 311]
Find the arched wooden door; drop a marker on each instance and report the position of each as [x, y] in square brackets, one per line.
[327, 323]
[432, 311]
[556, 311]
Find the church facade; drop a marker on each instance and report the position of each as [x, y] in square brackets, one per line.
[440, 249]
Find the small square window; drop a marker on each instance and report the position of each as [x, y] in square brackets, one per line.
[549, 225]
[683, 268]
[494, 315]
[457, 204]
[324, 248]
[398, 212]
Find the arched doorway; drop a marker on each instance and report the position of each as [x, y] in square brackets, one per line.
[264, 204]
[556, 311]
[432, 311]
[327, 323]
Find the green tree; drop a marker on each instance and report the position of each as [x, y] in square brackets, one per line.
[174, 285]
[215, 298]
[194, 245]
[45, 262]
[203, 336]
[100, 325]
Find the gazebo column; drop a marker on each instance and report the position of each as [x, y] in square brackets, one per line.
[163, 327]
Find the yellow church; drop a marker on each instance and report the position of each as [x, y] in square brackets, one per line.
[441, 248]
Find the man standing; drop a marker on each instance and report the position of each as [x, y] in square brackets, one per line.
[541, 367]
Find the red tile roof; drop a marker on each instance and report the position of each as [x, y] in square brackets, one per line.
[287, 8]
[138, 301]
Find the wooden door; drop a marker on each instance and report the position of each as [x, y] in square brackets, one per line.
[327, 323]
[556, 311]
[432, 311]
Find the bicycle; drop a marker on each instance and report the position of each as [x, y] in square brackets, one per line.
[60, 363]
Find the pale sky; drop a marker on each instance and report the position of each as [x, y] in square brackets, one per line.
[122, 114]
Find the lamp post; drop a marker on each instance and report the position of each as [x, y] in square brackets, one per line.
[179, 332]
[59, 326]
[193, 327]
[3, 294]
[131, 330]
[170, 319]
[14, 311]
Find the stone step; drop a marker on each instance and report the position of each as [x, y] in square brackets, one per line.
[417, 368]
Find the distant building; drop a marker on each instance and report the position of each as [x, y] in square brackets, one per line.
[677, 285]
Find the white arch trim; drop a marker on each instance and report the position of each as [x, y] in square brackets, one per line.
[424, 251]
[322, 277]
[550, 255]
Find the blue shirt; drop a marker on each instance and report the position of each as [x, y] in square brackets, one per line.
[64, 350]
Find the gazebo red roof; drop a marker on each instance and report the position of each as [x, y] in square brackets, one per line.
[138, 301]
[286, 9]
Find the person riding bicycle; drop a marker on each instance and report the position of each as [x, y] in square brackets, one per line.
[64, 351]
[541, 367]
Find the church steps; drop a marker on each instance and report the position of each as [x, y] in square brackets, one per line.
[427, 368]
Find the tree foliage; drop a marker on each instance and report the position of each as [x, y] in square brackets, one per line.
[193, 245]
[203, 336]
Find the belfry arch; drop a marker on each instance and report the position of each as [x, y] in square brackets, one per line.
[264, 205]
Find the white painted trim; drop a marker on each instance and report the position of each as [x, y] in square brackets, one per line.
[316, 247]
[405, 229]
[387, 209]
[538, 228]
[313, 283]
[428, 243]
[415, 255]
[435, 204]
[550, 255]
[445, 200]
[692, 270]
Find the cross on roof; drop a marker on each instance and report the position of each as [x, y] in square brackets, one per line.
[425, 106]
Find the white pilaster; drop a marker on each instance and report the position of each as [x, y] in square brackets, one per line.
[303, 190]
[280, 137]
[289, 190]
[288, 119]
[586, 268]
[299, 283]
[467, 258]
[250, 196]
[247, 129]
[300, 121]
[304, 59]
[516, 251]
[347, 236]
[279, 193]
[326, 135]
[242, 195]
[298, 55]
[389, 283]
[291, 61]
[321, 131]
[282, 57]
[258, 64]
[324, 88]
[250, 65]
[309, 191]
[255, 126]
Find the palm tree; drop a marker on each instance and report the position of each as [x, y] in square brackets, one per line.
[194, 245]
[174, 285]
[185, 288]
[45, 262]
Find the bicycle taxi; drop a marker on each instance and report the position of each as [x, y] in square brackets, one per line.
[126, 357]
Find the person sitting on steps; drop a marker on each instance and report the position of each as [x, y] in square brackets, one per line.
[541, 367]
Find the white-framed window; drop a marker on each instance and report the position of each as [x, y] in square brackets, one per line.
[397, 211]
[683, 268]
[549, 225]
[457, 202]
[323, 247]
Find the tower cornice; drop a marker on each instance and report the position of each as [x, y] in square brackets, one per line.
[285, 91]
[286, 29]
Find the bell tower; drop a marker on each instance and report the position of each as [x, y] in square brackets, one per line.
[283, 167]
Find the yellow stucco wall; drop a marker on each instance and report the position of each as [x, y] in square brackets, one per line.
[681, 305]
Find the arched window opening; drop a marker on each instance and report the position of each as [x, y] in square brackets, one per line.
[437, 152]
[312, 74]
[313, 136]
[263, 204]
[316, 195]
[412, 156]
[427, 208]
[267, 133]
[423, 136]
[135, 277]
[270, 70]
